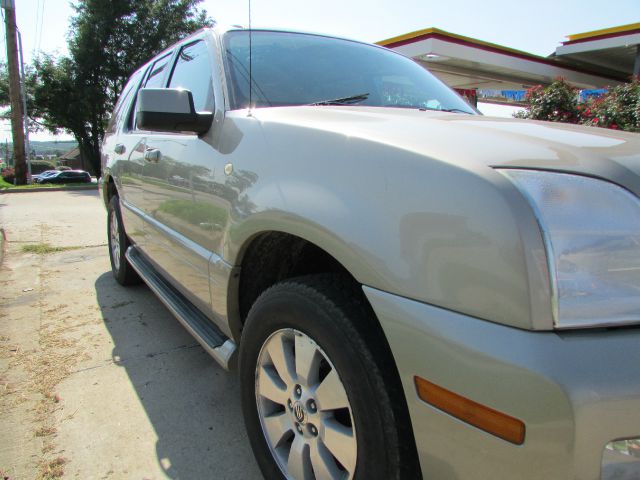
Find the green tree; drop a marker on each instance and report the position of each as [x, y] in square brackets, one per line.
[4, 84]
[108, 40]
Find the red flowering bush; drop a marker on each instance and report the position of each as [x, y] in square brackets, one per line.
[8, 174]
[556, 103]
[619, 108]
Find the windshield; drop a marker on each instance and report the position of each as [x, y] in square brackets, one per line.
[301, 69]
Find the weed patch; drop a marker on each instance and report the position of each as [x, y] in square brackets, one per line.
[45, 248]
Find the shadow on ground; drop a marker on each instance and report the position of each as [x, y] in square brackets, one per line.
[191, 402]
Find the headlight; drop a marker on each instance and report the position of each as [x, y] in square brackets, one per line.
[591, 230]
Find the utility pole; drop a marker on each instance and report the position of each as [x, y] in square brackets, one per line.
[17, 126]
[23, 76]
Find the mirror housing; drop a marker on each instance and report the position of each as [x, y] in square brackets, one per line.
[170, 110]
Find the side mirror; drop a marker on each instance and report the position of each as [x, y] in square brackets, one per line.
[170, 110]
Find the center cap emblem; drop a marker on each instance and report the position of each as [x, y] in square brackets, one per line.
[298, 411]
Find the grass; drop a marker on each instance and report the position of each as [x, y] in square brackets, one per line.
[45, 248]
[4, 185]
[45, 430]
[52, 469]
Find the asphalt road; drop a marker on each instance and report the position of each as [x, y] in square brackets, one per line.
[97, 380]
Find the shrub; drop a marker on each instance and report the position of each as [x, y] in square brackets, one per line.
[39, 166]
[8, 174]
[619, 108]
[556, 103]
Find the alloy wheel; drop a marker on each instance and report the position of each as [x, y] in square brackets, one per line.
[114, 234]
[304, 410]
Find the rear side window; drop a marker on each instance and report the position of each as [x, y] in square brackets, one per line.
[193, 72]
[120, 109]
[154, 80]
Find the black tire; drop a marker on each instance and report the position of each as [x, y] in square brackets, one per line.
[122, 270]
[330, 311]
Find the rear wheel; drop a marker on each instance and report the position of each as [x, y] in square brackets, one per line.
[118, 244]
[313, 396]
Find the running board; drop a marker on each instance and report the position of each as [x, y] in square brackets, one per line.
[216, 343]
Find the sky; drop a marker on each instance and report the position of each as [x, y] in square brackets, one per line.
[535, 27]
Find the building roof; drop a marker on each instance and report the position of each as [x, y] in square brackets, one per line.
[71, 154]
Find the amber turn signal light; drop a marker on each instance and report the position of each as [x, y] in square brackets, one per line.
[485, 418]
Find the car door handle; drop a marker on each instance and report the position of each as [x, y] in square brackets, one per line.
[120, 149]
[152, 155]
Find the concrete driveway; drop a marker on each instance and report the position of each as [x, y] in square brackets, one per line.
[98, 381]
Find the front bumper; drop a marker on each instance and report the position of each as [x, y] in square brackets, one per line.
[576, 391]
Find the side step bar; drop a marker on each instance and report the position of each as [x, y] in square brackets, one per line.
[216, 343]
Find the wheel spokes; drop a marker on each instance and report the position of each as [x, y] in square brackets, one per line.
[299, 463]
[331, 394]
[304, 409]
[271, 386]
[115, 240]
[280, 351]
[341, 443]
[279, 428]
[323, 463]
[307, 360]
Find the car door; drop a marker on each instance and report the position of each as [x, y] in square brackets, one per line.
[179, 189]
[129, 146]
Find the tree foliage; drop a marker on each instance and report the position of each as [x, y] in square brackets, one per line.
[108, 40]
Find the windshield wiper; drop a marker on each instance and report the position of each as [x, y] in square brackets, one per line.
[344, 100]
[451, 110]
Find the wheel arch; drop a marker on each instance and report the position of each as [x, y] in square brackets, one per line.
[109, 188]
[273, 256]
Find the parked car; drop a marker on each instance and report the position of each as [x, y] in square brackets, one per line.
[407, 288]
[46, 173]
[68, 176]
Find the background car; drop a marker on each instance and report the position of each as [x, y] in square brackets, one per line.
[68, 176]
[47, 173]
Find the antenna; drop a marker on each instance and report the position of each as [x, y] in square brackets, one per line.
[250, 65]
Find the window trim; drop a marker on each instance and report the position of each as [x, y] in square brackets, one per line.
[179, 50]
[129, 125]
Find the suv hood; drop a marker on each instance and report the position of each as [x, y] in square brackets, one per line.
[473, 140]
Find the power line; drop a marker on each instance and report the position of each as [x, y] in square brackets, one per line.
[41, 27]
[37, 20]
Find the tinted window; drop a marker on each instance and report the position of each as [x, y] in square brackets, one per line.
[154, 80]
[299, 69]
[125, 99]
[193, 72]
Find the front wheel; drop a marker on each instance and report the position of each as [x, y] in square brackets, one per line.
[313, 396]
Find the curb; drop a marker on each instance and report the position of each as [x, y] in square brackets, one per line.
[3, 239]
[53, 189]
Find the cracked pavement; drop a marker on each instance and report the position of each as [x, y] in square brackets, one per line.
[98, 380]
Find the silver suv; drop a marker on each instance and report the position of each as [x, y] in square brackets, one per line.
[407, 288]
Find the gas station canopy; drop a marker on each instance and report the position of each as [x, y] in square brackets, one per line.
[614, 51]
[591, 60]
